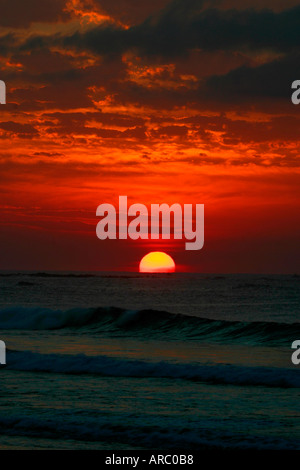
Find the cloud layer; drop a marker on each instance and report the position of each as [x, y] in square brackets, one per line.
[184, 99]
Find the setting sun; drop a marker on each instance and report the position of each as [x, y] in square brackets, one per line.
[157, 262]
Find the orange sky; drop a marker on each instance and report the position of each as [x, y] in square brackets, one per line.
[183, 101]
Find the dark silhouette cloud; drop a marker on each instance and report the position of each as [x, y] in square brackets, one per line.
[184, 25]
[268, 81]
[20, 13]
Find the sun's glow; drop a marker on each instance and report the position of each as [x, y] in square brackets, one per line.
[157, 262]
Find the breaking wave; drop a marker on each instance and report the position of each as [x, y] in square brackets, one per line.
[115, 367]
[111, 320]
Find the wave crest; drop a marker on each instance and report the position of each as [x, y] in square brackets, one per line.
[115, 367]
[110, 320]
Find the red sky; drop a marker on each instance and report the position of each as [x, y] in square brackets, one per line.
[185, 101]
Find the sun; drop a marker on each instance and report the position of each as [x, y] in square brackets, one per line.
[157, 262]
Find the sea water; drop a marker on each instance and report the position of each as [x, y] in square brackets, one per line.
[130, 361]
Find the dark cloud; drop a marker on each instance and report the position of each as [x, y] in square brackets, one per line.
[52, 79]
[48, 154]
[276, 5]
[182, 27]
[20, 13]
[130, 11]
[64, 171]
[80, 119]
[270, 80]
[273, 129]
[22, 130]
[202, 160]
[7, 43]
[169, 131]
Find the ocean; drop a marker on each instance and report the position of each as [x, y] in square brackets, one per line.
[126, 361]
